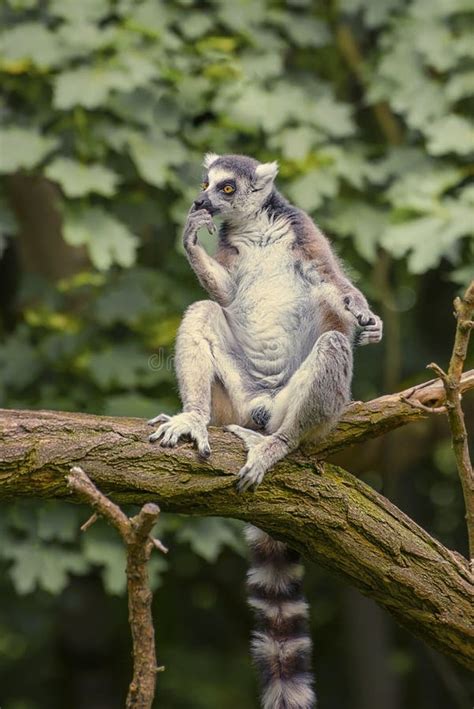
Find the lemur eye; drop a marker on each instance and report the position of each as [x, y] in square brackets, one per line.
[204, 185]
[228, 189]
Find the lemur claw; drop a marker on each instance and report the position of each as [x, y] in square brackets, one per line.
[250, 477]
[185, 425]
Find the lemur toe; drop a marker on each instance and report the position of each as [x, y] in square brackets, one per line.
[249, 478]
[250, 438]
[161, 418]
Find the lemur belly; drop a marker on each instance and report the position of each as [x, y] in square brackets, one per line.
[272, 315]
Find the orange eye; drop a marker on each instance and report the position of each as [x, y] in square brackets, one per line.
[228, 189]
[204, 185]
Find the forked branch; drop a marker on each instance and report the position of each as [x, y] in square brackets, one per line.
[463, 312]
[135, 533]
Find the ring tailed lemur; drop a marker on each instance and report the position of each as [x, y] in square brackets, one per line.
[270, 357]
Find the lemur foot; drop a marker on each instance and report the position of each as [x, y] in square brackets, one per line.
[371, 326]
[185, 425]
[249, 437]
[263, 452]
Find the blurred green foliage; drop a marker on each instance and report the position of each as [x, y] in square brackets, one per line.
[367, 105]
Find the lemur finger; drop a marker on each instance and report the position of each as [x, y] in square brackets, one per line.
[364, 319]
[170, 438]
[159, 432]
[204, 449]
[158, 419]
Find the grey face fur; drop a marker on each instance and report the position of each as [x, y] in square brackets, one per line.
[235, 186]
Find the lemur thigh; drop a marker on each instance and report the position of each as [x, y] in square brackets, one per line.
[201, 359]
[318, 390]
[314, 397]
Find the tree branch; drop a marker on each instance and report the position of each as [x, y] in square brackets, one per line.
[135, 533]
[327, 514]
[463, 311]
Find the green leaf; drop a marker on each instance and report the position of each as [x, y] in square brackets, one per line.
[420, 190]
[123, 304]
[153, 155]
[32, 41]
[79, 12]
[195, 24]
[123, 365]
[207, 537]
[364, 223]
[450, 134]
[428, 239]
[296, 143]
[58, 521]
[108, 240]
[47, 567]
[310, 190]
[23, 148]
[19, 362]
[437, 45]
[331, 117]
[376, 12]
[91, 86]
[81, 38]
[77, 179]
[150, 17]
[304, 30]
[102, 549]
[461, 85]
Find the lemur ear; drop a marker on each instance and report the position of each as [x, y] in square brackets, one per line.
[265, 173]
[209, 159]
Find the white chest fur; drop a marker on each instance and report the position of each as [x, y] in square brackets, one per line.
[272, 313]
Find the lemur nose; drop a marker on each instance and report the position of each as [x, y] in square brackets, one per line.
[201, 201]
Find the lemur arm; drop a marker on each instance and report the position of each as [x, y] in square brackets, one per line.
[212, 275]
[312, 245]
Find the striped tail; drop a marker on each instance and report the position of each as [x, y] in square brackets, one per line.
[281, 645]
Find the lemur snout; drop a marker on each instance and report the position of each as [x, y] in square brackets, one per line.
[202, 201]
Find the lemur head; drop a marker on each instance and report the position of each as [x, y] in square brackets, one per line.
[235, 186]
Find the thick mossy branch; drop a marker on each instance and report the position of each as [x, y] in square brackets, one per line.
[326, 513]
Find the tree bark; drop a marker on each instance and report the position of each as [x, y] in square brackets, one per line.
[318, 508]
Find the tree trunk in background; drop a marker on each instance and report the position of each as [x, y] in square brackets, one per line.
[42, 249]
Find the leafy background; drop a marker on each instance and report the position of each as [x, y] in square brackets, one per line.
[106, 109]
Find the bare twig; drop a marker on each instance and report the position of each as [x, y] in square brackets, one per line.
[416, 404]
[463, 311]
[139, 544]
[89, 522]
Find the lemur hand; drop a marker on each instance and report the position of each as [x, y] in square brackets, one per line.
[196, 220]
[371, 326]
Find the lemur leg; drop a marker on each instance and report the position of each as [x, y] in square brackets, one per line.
[314, 397]
[201, 358]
